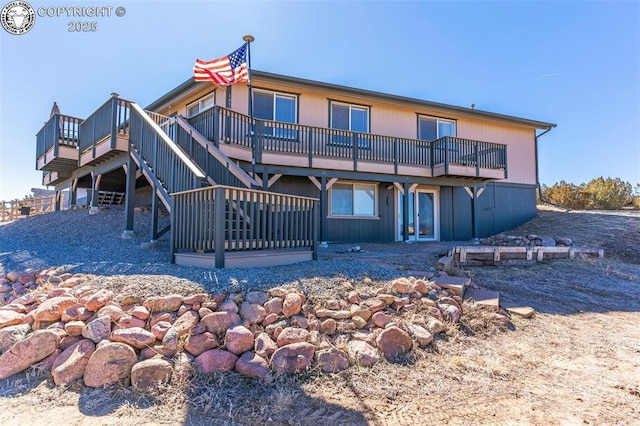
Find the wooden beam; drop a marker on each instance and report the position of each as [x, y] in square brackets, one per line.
[315, 182]
[273, 179]
[330, 182]
[399, 187]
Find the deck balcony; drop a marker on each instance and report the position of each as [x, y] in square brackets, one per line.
[105, 133]
[296, 145]
[57, 145]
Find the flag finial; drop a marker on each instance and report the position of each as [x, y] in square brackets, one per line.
[248, 38]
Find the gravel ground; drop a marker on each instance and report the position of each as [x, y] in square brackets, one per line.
[92, 244]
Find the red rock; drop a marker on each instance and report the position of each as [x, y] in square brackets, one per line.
[257, 297]
[98, 299]
[51, 309]
[76, 312]
[380, 319]
[23, 354]
[422, 336]
[203, 312]
[27, 299]
[274, 306]
[150, 373]
[9, 317]
[169, 303]
[127, 322]
[47, 363]
[110, 363]
[332, 360]
[26, 277]
[165, 316]
[219, 322]
[291, 335]
[140, 312]
[68, 341]
[278, 292]
[393, 342]
[373, 305]
[58, 292]
[328, 313]
[135, 336]
[313, 324]
[228, 306]
[292, 358]
[402, 285]
[421, 286]
[72, 362]
[252, 312]
[353, 297]
[199, 343]
[252, 365]
[160, 329]
[238, 339]
[170, 339]
[215, 360]
[186, 322]
[362, 353]
[292, 304]
[112, 311]
[434, 325]
[269, 319]
[195, 298]
[12, 334]
[98, 329]
[299, 321]
[264, 345]
[74, 328]
[365, 314]
[73, 282]
[328, 326]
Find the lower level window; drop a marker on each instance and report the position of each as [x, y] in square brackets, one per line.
[353, 199]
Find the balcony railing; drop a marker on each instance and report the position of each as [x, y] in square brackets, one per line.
[59, 130]
[223, 126]
[222, 218]
[110, 120]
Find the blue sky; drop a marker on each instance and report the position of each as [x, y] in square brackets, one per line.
[576, 64]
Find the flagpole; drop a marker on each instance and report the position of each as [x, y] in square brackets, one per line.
[248, 38]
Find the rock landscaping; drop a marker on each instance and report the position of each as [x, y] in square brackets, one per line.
[59, 322]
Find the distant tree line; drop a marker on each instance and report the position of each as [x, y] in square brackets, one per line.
[598, 194]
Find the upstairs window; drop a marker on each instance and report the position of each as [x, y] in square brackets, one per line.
[432, 128]
[354, 118]
[202, 104]
[275, 106]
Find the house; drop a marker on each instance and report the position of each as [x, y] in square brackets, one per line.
[349, 164]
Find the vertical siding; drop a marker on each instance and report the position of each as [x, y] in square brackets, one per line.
[348, 230]
[499, 208]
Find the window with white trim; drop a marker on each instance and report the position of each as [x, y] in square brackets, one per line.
[202, 104]
[349, 117]
[432, 128]
[353, 199]
[276, 106]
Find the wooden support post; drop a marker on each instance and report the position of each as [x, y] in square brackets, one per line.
[405, 212]
[529, 254]
[220, 221]
[572, 253]
[324, 209]
[130, 198]
[496, 254]
[540, 254]
[463, 255]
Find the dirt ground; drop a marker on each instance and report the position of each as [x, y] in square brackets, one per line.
[577, 361]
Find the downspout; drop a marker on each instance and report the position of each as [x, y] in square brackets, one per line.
[537, 171]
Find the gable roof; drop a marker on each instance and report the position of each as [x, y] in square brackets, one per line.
[191, 85]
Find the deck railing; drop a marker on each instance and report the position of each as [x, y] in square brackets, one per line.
[222, 218]
[221, 125]
[59, 130]
[110, 120]
[173, 170]
[15, 209]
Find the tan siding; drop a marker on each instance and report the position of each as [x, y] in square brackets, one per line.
[390, 119]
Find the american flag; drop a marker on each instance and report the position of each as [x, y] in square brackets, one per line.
[224, 71]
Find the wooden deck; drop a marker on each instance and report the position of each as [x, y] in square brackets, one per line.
[245, 259]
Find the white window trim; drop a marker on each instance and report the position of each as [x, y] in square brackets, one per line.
[354, 216]
[350, 106]
[274, 94]
[438, 121]
[199, 103]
